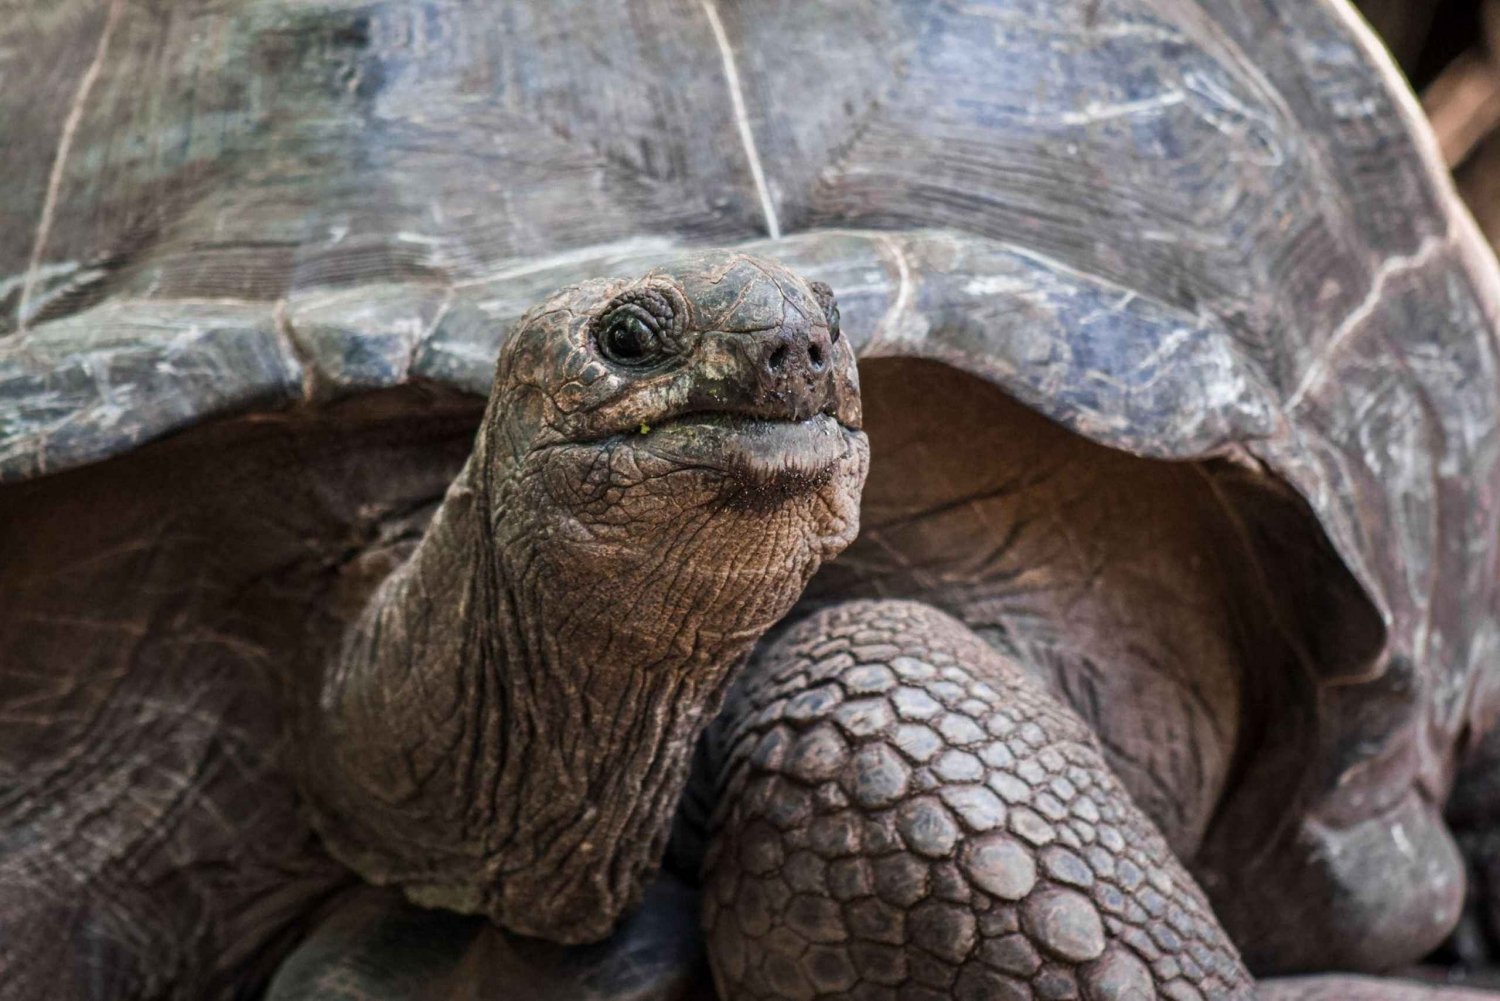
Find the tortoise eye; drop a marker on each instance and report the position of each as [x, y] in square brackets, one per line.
[830, 305]
[629, 338]
[632, 332]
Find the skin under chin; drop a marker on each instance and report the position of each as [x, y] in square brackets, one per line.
[634, 551]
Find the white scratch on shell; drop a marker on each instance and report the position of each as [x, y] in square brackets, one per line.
[742, 118]
[603, 253]
[1392, 268]
[60, 160]
[1097, 111]
[1403, 843]
[1474, 249]
[990, 285]
[903, 288]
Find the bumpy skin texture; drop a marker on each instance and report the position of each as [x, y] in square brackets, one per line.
[908, 814]
[663, 464]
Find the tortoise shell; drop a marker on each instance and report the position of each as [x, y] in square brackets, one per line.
[1211, 241]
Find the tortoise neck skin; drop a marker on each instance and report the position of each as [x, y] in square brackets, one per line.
[663, 465]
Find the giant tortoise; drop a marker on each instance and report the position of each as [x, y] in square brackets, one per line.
[330, 647]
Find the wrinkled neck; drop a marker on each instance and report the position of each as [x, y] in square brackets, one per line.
[508, 727]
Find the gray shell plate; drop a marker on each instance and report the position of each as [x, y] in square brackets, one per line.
[1179, 227]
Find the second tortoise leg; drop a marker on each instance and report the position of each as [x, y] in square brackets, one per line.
[906, 814]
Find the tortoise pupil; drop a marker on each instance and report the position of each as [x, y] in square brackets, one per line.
[630, 337]
[627, 339]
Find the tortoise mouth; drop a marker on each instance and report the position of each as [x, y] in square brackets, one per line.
[751, 450]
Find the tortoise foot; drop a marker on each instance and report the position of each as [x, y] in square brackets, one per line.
[906, 813]
[375, 946]
[1369, 897]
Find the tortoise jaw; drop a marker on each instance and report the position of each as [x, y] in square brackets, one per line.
[793, 455]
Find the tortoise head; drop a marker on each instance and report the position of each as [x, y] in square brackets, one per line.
[663, 465]
[695, 430]
[725, 367]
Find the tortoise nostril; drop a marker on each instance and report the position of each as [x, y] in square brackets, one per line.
[815, 355]
[777, 359]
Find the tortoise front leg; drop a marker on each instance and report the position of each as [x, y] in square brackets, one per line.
[905, 813]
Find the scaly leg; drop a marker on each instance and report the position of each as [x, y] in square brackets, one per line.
[905, 813]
